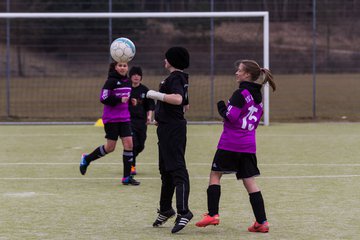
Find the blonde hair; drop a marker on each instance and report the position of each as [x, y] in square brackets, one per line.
[253, 68]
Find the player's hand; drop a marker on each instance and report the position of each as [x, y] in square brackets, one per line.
[124, 99]
[133, 101]
[148, 120]
[221, 108]
[186, 108]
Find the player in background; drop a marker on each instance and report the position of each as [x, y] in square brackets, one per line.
[172, 101]
[236, 150]
[115, 95]
[141, 111]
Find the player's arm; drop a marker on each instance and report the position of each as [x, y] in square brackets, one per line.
[149, 115]
[232, 111]
[107, 97]
[174, 98]
[222, 109]
[186, 108]
[149, 107]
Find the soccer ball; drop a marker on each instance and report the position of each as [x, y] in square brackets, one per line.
[122, 50]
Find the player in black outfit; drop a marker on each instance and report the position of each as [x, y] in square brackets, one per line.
[172, 101]
[141, 110]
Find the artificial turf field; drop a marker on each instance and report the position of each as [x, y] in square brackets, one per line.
[310, 180]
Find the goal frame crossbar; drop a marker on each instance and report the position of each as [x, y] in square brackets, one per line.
[108, 15]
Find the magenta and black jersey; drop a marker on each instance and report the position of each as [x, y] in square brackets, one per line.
[243, 114]
[115, 87]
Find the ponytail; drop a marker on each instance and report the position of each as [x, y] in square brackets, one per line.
[268, 77]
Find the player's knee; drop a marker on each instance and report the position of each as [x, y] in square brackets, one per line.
[110, 148]
[214, 178]
[128, 143]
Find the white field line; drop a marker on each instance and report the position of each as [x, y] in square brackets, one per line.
[192, 178]
[192, 164]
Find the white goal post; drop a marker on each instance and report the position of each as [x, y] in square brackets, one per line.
[264, 15]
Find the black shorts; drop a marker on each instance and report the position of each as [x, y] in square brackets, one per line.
[115, 130]
[243, 164]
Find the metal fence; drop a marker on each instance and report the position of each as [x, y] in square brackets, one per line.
[53, 69]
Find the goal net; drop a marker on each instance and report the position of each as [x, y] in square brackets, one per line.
[53, 65]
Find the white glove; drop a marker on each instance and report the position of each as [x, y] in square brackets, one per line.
[155, 95]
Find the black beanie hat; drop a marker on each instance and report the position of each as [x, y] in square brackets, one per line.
[178, 57]
[135, 70]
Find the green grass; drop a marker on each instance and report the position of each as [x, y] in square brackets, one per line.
[309, 179]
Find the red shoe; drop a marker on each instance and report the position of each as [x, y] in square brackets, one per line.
[208, 220]
[257, 227]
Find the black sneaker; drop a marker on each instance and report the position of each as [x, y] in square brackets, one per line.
[163, 217]
[83, 164]
[130, 181]
[181, 221]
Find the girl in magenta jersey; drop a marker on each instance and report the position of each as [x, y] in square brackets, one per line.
[236, 150]
[115, 96]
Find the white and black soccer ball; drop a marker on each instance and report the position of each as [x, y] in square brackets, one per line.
[122, 50]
